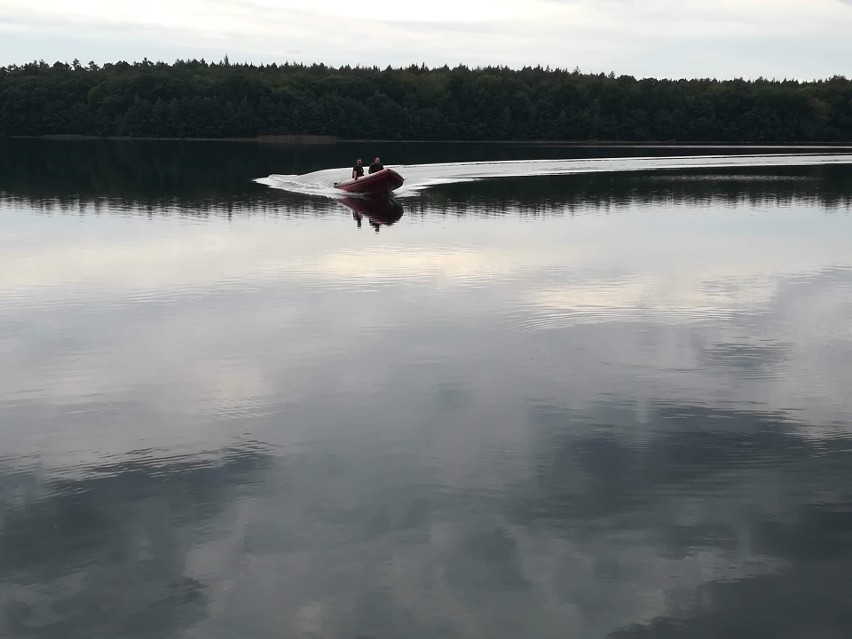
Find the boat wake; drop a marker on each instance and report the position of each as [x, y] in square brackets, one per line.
[422, 176]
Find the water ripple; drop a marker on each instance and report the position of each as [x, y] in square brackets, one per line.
[422, 176]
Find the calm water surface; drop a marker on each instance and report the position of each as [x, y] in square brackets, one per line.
[592, 405]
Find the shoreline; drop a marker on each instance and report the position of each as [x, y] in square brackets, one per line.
[316, 140]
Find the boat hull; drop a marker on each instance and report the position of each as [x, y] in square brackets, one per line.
[383, 181]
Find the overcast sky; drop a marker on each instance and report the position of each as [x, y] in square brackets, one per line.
[671, 38]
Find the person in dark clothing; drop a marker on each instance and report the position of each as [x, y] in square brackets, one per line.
[376, 166]
[358, 169]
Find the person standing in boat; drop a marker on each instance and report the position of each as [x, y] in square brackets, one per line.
[358, 169]
[376, 166]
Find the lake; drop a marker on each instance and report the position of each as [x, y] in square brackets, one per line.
[549, 391]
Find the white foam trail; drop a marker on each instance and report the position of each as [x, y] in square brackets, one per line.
[422, 176]
[317, 183]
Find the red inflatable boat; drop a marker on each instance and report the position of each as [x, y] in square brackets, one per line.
[383, 181]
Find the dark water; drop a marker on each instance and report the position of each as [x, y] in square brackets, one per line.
[596, 405]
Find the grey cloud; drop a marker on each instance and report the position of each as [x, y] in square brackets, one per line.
[597, 47]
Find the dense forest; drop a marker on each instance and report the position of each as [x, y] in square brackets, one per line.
[223, 100]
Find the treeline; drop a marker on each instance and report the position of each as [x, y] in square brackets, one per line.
[223, 100]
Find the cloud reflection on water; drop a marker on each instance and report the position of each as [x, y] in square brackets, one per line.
[497, 424]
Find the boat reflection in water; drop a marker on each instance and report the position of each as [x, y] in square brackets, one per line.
[380, 211]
